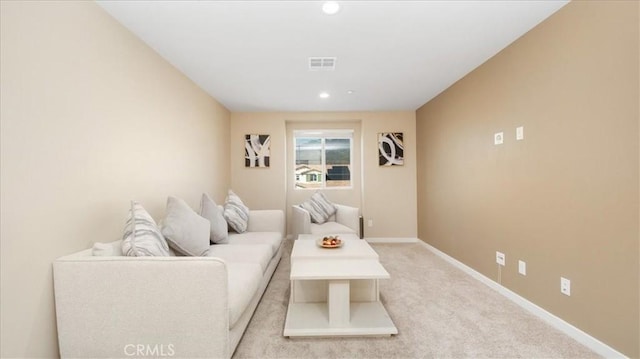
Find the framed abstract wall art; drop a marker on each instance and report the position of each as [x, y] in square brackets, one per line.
[390, 149]
[256, 150]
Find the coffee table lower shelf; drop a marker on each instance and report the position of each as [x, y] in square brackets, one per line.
[312, 320]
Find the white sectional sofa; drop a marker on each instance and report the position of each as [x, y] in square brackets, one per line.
[182, 307]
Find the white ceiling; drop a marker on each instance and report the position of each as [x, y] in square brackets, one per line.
[394, 55]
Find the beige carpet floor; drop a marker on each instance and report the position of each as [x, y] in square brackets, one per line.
[440, 312]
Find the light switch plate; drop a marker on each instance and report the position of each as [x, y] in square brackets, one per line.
[522, 267]
[520, 133]
[498, 138]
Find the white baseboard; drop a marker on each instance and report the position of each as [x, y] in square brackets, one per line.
[575, 333]
[391, 240]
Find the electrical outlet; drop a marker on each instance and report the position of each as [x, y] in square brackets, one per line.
[500, 258]
[522, 267]
[498, 138]
[519, 133]
[370, 223]
[565, 286]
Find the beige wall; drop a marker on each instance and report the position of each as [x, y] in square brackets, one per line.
[90, 119]
[389, 194]
[565, 199]
[385, 195]
[259, 188]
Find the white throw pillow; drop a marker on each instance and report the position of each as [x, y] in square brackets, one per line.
[210, 210]
[236, 213]
[186, 232]
[142, 236]
[319, 207]
[111, 249]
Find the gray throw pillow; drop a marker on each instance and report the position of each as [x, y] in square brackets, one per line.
[236, 213]
[142, 236]
[186, 232]
[210, 210]
[319, 208]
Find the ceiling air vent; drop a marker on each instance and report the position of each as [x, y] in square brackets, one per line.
[322, 63]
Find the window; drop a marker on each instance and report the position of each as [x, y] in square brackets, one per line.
[323, 158]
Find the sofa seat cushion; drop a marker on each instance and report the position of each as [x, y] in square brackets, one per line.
[243, 281]
[248, 253]
[330, 228]
[271, 238]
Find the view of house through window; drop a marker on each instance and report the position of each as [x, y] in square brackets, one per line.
[323, 158]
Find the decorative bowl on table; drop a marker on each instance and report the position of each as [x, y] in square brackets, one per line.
[330, 242]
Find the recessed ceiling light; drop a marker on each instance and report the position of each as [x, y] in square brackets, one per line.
[330, 7]
[324, 94]
[350, 92]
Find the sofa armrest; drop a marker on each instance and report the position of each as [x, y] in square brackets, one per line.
[301, 221]
[348, 216]
[107, 307]
[266, 220]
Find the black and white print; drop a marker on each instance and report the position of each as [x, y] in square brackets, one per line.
[390, 149]
[256, 150]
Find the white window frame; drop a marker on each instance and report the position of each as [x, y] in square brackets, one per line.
[324, 135]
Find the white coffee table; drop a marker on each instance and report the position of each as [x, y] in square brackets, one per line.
[334, 291]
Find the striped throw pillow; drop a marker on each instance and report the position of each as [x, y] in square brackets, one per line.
[319, 207]
[142, 236]
[236, 213]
